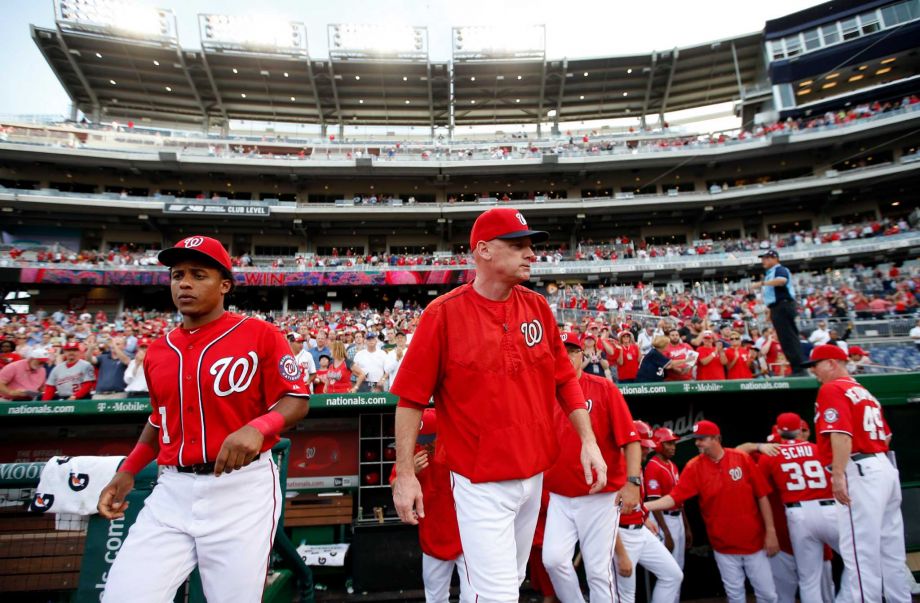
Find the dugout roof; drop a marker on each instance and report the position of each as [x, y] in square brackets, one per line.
[127, 78]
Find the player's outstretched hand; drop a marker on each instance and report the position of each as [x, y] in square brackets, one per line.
[624, 566]
[839, 486]
[112, 503]
[407, 498]
[238, 450]
[768, 449]
[592, 461]
[421, 460]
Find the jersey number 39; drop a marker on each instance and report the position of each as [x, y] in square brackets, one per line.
[814, 476]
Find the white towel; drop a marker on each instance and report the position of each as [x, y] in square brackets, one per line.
[73, 484]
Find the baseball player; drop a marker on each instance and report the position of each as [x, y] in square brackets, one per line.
[72, 379]
[805, 490]
[490, 354]
[438, 534]
[737, 514]
[638, 544]
[661, 475]
[853, 440]
[222, 387]
[574, 515]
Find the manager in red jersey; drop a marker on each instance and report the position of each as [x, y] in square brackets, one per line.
[574, 515]
[490, 354]
[222, 387]
[853, 441]
[798, 475]
[733, 501]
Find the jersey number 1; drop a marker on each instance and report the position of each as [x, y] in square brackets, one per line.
[872, 423]
[162, 410]
[813, 471]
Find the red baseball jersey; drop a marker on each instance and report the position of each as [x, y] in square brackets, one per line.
[496, 370]
[742, 367]
[728, 491]
[715, 370]
[438, 532]
[845, 406]
[678, 352]
[796, 472]
[206, 383]
[630, 367]
[613, 427]
[661, 476]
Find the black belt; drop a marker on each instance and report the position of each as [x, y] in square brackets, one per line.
[824, 503]
[781, 301]
[634, 526]
[199, 469]
[672, 513]
[861, 456]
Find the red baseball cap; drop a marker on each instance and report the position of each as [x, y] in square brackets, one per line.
[789, 421]
[663, 434]
[571, 339]
[143, 342]
[705, 428]
[197, 247]
[294, 336]
[827, 351]
[855, 350]
[646, 439]
[70, 346]
[428, 428]
[503, 223]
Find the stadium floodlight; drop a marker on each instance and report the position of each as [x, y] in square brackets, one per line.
[252, 34]
[116, 18]
[356, 41]
[498, 42]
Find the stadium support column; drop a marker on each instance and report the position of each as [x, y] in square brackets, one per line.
[562, 76]
[285, 294]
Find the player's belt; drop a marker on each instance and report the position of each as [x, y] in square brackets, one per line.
[861, 456]
[672, 513]
[824, 503]
[205, 468]
[633, 526]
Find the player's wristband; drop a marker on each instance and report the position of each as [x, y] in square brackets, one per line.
[270, 424]
[139, 458]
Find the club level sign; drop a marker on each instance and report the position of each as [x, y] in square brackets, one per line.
[224, 210]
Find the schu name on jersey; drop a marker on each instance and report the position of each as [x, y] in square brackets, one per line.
[796, 452]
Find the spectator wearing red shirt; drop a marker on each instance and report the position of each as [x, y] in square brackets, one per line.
[709, 365]
[678, 350]
[8, 353]
[628, 361]
[733, 501]
[737, 359]
[338, 375]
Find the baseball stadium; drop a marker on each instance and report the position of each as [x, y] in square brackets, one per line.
[443, 302]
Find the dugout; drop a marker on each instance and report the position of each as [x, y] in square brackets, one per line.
[342, 448]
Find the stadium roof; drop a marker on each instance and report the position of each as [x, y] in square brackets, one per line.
[128, 78]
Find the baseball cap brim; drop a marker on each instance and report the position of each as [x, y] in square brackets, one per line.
[536, 236]
[174, 255]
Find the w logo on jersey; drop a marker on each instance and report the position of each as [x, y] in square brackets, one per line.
[532, 332]
[238, 372]
[78, 481]
[735, 473]
[590, 404]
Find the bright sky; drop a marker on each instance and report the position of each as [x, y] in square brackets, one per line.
[574, 28]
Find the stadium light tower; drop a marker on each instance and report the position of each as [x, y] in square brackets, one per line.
[116, 18]
[252, 34]
[355, 41]
[471, 43]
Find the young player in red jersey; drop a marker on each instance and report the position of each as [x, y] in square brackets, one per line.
[490, 355]
[638, 544]
[661, 476]
[733, 501]
[853, 440]
[574, 514]
[438, 534]
[222, 388]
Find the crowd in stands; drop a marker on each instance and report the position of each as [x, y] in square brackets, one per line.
[618, 248]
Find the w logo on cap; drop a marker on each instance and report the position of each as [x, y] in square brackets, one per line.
[192, 242]
[520, 218]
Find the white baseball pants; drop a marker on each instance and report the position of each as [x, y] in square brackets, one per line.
[225, 525]
[644, 548]
[733, 569]
[590, 521]
[872, 532]
[497, 521]
[785, 580]
[811, 526]
[437, 573]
